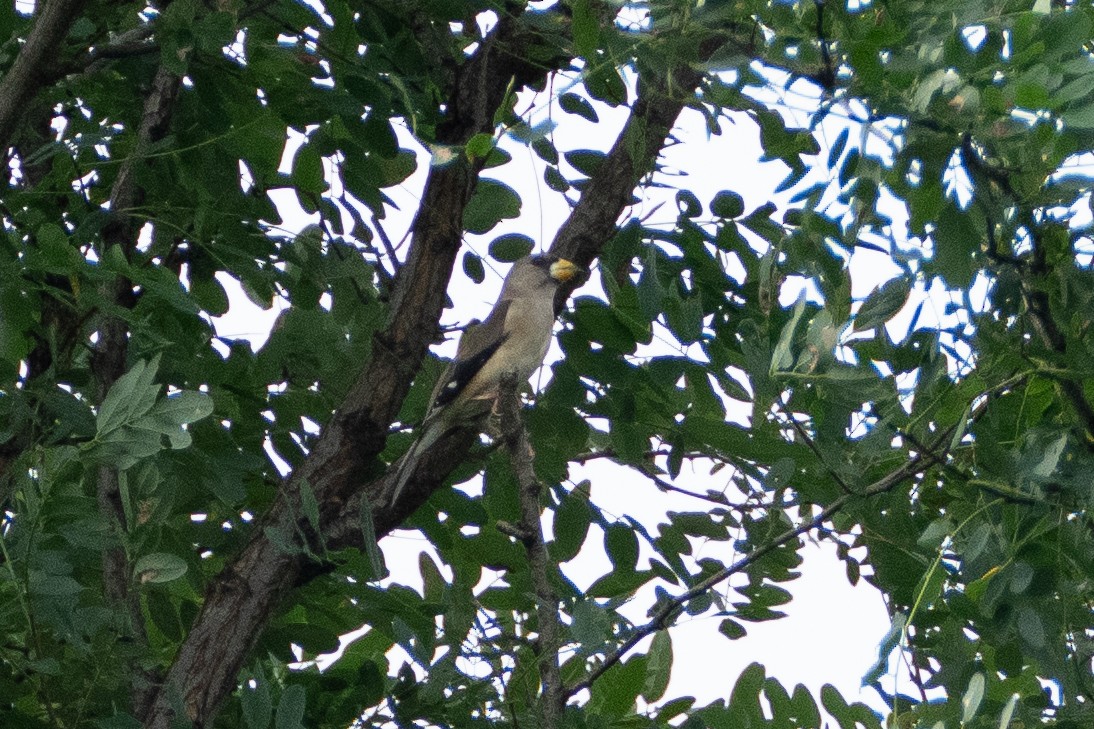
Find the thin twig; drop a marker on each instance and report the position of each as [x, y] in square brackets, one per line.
[818, 452]
[521, 456]
[29, 73]
[388, 247]
[664, 615]
[1036, 267]
[109, 359]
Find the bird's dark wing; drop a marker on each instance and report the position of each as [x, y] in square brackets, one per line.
[477, 345]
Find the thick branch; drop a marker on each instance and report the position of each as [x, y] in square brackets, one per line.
[30, 71]
[239, 602]
[593, 221]
[516, 440]
[581, 238]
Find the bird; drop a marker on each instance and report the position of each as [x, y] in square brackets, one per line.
[513, 339]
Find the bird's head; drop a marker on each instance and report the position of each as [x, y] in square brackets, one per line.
[539, 275]
[562, 270]
[545, 269]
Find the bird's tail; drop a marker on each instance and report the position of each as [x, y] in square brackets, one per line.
[406, 466]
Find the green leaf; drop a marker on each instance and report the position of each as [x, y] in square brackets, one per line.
[571, 525]
[574, 104]
[433, 582]
[591, 625]
[585, 161]
[215, 31]
[586, 29]
[370, 542]
[837, 148]
[511, 247]
[1076, 89]
[555, 180]
[1081, 117]
[956, 241]
[378, 134]
[732, 629]
[480, 146]
[48, 585]
[835, 705]
[659, 668]
[131, 396]
[621, 544]
[472, 266]
[209, 294]
[183, 408]
[935, 533]
[970, 700]
[492, 202]
[164, 614]
[256, 703]
[395, 170]
[126, 446]
[744, 701]
[727, 204]
[309, 505]
[58, 254]
[688, 204]
[1021, 575]
[930, 586]
[546, 150]
[782, 358]
[882, 304]
[619, 583]
[614, 693]
[599, 323]
[307, 171]
[1030, 626]
[159, 567]
[290, 709]
[604, 83]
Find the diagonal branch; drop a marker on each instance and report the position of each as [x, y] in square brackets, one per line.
[108, 358]
[1029, 270]
[241, 599]
[516, 439]
[664, 615]
[30, 71]
[588, 229]
[593, 220]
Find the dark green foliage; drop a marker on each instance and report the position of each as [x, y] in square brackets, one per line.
[943, 442]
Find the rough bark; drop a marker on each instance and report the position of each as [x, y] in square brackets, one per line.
[31, 69]
[581, 239]
[548, 621]
[240, 601]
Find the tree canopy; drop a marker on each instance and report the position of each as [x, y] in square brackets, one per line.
[188, 521]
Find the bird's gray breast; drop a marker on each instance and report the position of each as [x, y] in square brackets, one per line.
[531, 323]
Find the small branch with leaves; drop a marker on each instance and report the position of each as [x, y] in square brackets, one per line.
[665, 614]
[109, 356]
[515, 437]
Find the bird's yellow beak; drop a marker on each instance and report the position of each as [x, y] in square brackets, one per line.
[563, 270]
